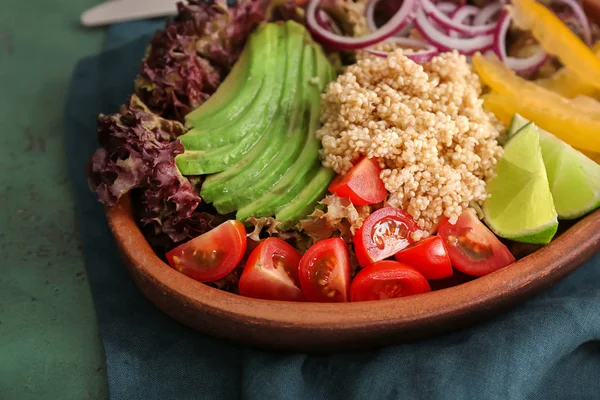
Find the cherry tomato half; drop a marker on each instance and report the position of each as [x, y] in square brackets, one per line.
[383, 234]
[325, 271]
[472, 247]
[361, 184]
[213, 255]
[271, 272]
[387, 280]
[428, 256]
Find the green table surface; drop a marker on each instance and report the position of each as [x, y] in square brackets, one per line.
[49, 345]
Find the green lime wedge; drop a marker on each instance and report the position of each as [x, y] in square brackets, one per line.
[516, 124]
[574, 179]
[520, 206]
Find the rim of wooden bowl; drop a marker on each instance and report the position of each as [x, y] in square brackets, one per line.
[297, 325]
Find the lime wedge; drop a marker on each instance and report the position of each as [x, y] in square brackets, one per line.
[520, 206]
[574, 178]
[516, 124]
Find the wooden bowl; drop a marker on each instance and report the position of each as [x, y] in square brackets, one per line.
[327, 327]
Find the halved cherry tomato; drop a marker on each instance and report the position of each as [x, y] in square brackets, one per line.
[472, 247]
[325, 271]
[213, 255]
[271, 272]
[387, 280]
[429, 257]
[361, 184]
[383, 234]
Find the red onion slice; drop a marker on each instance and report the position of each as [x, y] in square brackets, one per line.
[419, 57]
[446, 22]
[327, 22]
[519, 65]
[370, 17]
[487, 12]
[463, 12]
[460, 15]
[446, 7]
[581, 17]
[338, 42]
[444, 42]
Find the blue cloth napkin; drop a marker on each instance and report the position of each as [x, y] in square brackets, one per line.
[547, 348]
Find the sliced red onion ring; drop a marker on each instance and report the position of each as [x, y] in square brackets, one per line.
[419, 57]
[446, 22]
[486, 13]
[444, 42]
[338, 42]
[327, 22]
[404, 32]
[446, 7]
[581, 17]
[370, 17]
[464, 12]
[461, 14]
[519, 65]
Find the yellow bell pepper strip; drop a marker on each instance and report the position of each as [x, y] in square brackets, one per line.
[556, 38]
[500, 107]
[587, 103]
[592, 156]
[570, 122]
[567, 83]
[496, 104]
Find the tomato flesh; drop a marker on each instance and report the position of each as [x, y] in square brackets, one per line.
[428, 256]
[472, 247]
[387, 280]
[361, 184]
[383, 234]
[324, 271]
[271, 272]
[213, 255]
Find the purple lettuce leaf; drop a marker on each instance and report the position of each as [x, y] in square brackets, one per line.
[173, 78]
[138, 152]
[186, 62]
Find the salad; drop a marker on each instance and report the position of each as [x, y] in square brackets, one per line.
[354, 150]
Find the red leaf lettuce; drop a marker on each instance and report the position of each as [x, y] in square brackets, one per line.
[186, 62]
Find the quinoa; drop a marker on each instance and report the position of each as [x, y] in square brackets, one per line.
[424, 124]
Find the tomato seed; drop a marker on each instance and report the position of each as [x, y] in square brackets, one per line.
[473, 247]
[322, 274]
[388, 228]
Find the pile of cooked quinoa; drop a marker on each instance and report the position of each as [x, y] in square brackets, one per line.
[424, 123]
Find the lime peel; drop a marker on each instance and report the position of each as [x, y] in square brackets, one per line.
[574, 178]
[520, 206]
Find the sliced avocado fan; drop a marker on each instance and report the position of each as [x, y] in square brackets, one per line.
[255, 137]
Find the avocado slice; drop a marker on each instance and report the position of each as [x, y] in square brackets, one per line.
[272, 201]
[285, 198]
[291, 128]
[259, 142]
[307, 199]
[265, 103]
[233, 95]
[220, 184]
[236, 178]
[200, 160]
